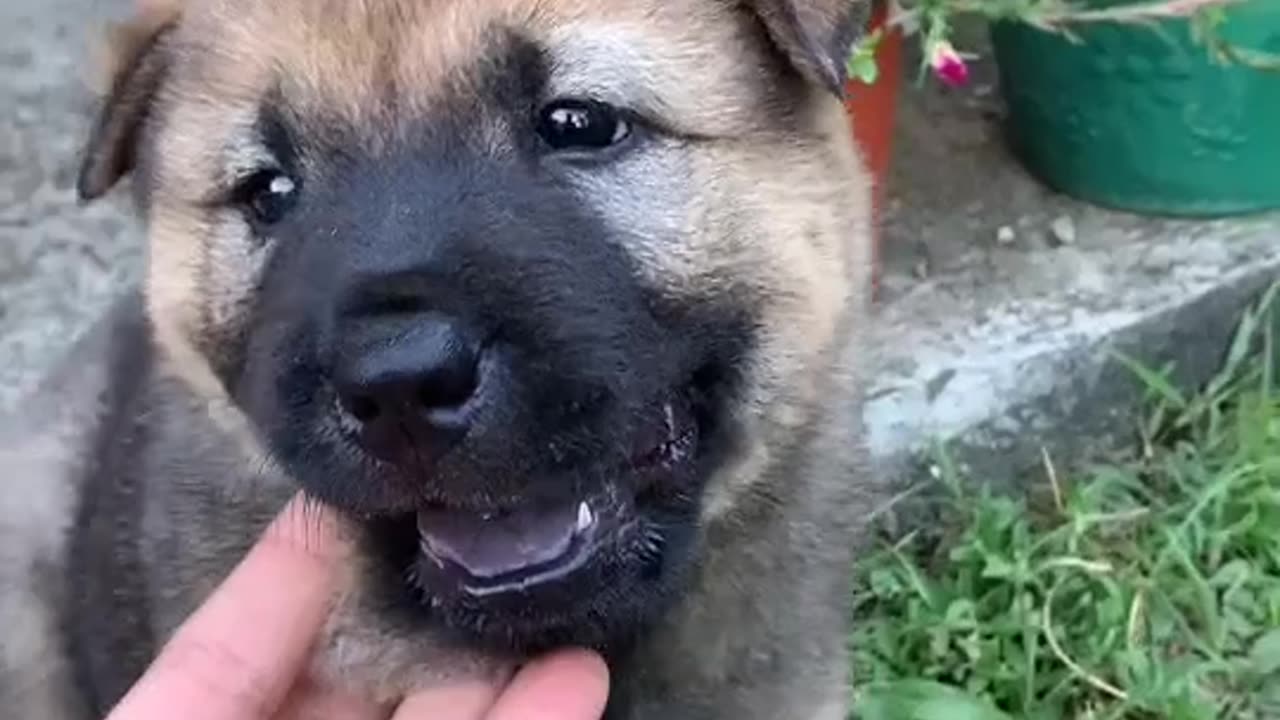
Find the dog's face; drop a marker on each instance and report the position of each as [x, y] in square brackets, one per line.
[531, 289]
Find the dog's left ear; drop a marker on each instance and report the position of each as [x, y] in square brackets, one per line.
[816, 35]
[132, 63]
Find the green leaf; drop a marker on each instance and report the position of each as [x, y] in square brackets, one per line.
[960, 613]
[1156, 382]
[865, 70]
[1265, 654]
[1234, 573]
[998, 568]
[922, 700]
[862, 64]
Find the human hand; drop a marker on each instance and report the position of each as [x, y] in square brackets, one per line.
[243, 654]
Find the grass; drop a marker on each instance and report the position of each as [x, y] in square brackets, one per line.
[1147, 587]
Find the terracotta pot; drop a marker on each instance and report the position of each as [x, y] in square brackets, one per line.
[872, 111]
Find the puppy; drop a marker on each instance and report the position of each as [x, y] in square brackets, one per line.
[558, 303]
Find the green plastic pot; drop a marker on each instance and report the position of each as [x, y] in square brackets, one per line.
[1142, 119]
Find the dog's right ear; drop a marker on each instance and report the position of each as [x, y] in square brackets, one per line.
[816, 35]
[136, 62]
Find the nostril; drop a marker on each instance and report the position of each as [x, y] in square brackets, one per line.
[433, 396]
[396, 374]
[362, 408]
[450, 384]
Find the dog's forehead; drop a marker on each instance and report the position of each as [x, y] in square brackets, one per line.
[350, 54]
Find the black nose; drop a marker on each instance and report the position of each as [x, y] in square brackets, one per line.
[409, 385]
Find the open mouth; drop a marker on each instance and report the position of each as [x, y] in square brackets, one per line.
[485, 554]
[489, 554]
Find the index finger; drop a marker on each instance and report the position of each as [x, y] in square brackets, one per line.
[566, 685]
[236, 657]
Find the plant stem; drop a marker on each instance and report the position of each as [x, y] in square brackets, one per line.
[1057, 14]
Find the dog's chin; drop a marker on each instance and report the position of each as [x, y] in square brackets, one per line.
[590, 566]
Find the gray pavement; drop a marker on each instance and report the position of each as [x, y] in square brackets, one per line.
[58, 262]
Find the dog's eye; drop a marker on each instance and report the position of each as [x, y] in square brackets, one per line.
[581, 124]
[268, 195]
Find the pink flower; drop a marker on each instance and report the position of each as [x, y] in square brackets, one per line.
[948, 65]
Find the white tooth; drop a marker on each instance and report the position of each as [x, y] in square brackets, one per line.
[585, 518]
[429, 552]
[670, 418]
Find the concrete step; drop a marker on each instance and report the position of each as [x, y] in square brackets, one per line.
[995, 331]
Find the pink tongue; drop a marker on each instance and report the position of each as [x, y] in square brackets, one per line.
[488, 548]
